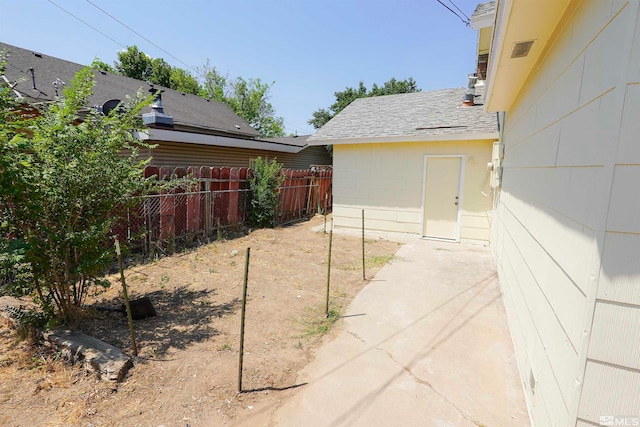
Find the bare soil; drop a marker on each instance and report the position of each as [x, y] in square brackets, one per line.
[187, 369]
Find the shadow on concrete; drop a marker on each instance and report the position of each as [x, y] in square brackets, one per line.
[438, 339]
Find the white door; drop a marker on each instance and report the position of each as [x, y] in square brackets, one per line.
[441, 197]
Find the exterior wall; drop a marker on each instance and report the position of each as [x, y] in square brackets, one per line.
[176, 154]
[484, 40]
[386, 179]
[566, 231]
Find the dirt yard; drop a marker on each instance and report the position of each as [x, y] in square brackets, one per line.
[187, 369]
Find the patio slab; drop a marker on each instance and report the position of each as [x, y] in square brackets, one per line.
[425, 343]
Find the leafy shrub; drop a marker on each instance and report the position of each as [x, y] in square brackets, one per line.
[15, 272]
[62, 180]
[265, 180]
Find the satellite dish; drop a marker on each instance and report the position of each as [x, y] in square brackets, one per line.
[110, 105]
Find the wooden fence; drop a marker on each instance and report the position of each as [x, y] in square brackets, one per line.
[217, 199]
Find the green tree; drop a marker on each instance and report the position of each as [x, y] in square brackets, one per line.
[183, 81]
[214, 85]
[62, 181]
[251, 101]
[347, 96]
[98, 64]
[394, 86]
[160, 72]
[248, 98]
[134, 63]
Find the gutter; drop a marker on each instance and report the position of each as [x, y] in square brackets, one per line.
[416, 138]
[215, 140]
[178, 123]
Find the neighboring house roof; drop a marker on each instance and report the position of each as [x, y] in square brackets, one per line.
[421, 116]
[190, 112]
[300, 140]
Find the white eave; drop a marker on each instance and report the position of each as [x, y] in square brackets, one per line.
[516, 22]
[393, 139]
[215, 140]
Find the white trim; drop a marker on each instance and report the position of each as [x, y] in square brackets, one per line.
[462, 158]
[215, 140]
[502, 12]
[483, 21]
[387, 139]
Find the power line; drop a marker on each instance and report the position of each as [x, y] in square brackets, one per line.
[466, 22]
[459, 10]
[87, 24]
[297, 127]
[138, 34]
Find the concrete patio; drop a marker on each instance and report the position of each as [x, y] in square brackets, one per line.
[426, 343]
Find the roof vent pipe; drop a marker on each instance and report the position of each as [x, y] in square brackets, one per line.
[471, 91]
[156, 102]
[157, 117]
[33, 78]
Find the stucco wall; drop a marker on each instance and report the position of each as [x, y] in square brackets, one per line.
[386, 179]
[566, 231]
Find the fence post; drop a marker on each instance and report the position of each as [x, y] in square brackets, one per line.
[244, 307]
[326, 306]
[234, 187]
[363, 272]
[193, 202]
[326, 195]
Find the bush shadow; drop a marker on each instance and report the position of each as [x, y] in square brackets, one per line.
[183, 317]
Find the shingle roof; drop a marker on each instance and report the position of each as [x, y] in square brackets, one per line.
[484, 9]
[190, 112]
[428, 114]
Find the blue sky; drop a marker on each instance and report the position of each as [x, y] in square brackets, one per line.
[310, 48]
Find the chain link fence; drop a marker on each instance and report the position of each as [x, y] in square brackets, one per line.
[164, 223]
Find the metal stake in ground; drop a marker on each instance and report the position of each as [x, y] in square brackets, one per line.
[326, 196]
[126, 299]
[363, 272]
[244, 306]
[326, 307]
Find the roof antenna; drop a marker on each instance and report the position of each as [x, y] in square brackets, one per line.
[33, 78]
[56, 83]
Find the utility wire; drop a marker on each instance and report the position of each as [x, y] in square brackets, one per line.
[459, 10]
[305, 130]
[466, 22]
[138, 34]
[87, 24]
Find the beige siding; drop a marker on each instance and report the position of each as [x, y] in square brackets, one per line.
[181, 154]
[566, 229]
[386, 180]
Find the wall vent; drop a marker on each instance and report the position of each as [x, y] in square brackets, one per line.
[521, 49]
